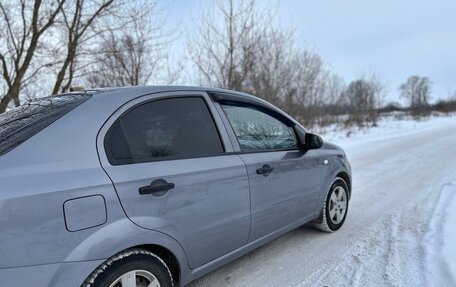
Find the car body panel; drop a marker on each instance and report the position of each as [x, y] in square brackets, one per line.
[49, 275]
[289, 194]
[208, 211]
[57, 164]
[65, 161]
[195, 273]
[84, 212]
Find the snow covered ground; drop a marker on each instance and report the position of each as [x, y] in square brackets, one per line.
[401, 225]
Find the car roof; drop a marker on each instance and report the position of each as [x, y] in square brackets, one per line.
[143, 90]
[120, 95]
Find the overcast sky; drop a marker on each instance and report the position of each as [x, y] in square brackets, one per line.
[394, 38]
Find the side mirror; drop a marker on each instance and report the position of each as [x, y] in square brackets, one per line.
[308, 141]
[313, 141]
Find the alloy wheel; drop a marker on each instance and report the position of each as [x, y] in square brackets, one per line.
[136, 278]
[338, 205]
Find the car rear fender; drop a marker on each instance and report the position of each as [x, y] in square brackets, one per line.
[121, 235]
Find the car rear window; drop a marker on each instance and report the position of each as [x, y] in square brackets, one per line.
[20, 124]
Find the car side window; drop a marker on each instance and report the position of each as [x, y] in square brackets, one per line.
[164, 129]
[258, 130]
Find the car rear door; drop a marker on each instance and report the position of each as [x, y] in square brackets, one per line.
[174, 171]
[284, 181]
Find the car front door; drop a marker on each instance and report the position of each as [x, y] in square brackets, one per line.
[284, 180]
[174, 171]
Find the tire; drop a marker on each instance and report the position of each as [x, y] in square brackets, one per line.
[140, 264]
[335, 208]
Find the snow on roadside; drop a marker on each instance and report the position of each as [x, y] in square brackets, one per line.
[440, 241]
[387, 127]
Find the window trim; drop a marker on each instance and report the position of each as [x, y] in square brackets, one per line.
[251, 104]
[118, 119]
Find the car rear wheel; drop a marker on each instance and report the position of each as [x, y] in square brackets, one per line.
[335, 208]
[131, 268]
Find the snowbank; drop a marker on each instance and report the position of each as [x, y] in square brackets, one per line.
[440, 241]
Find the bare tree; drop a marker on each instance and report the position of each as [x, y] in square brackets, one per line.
[24, 23]
[245, 51]
[451, 95]
[365, 96]
[311, 78]
[135, 54]
[270, 74]
[417, 91]
[123, 62]
[334, 91]
[79, 17]
[225, 43]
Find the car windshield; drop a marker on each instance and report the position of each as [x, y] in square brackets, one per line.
[21, 123]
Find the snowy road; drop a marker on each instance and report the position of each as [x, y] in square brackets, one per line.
[398, 174]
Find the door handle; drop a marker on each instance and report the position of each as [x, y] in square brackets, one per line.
[265, 170]
[158, 187]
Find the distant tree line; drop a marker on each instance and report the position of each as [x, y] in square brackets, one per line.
[49, 46]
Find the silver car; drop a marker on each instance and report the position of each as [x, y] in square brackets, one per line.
[155, 186]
